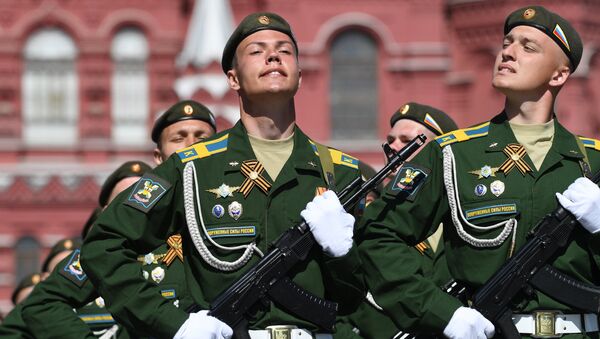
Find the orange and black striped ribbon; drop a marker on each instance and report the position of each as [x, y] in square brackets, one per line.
[252, 170]
[175, 249]
[515, 154]
[422, 247]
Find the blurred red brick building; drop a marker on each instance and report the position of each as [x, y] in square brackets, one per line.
[82, 82]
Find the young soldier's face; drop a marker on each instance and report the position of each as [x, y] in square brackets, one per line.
[265, 64]
[180, 135]
[528, 63]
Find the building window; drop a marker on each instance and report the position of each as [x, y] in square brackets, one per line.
[27, 254]
[130, 99]
[353, 87]
[49, 87]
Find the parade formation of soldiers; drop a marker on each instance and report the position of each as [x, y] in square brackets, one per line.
[248, 233]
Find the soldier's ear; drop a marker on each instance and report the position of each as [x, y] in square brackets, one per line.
[560, 75]
[158, 159]
[232, 78]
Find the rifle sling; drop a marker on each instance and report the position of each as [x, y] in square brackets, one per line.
[563, 288]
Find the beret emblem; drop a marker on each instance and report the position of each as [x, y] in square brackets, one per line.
[188, 109]
[263, 19]
[529, 13]
[404, 109]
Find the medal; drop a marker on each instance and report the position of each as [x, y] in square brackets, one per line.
[235, 210]
[218, 211]
[497, 187]
[480, 190]
[223, 191]
[158, 274]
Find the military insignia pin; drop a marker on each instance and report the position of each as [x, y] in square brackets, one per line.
[100, 302]
[149, 259]
[312, 164]
[188, 109]
[146, 274]
[480, 190]
[235, 210]
[497, 188]
[223, 191]
[218, 211]
[529, 13]
[158, 274]
[263, 19]
[404, 109]
[234, 163]
[485, 172]
[136, 168]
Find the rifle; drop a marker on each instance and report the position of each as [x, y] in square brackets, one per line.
[268, 280]
[530, 268]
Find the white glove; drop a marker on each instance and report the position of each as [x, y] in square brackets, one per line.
[467, 323]
[582, 198]
[330, 224]
[202, 326]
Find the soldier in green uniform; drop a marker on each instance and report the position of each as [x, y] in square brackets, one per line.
[181, 125]
[236, 192]
[13, 326]
[489, 185]
[58, 252]
[410, 120]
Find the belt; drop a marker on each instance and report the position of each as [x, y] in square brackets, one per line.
[553, 324]
[286, 332]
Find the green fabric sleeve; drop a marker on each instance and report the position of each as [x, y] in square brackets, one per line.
[48, 311]
[13, 326]
[393, 269]
[109, 256]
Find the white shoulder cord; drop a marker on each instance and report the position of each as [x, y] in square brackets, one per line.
[189, 179]
[456, 210]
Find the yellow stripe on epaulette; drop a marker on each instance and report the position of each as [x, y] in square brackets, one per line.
[341, 158]
[203, 149]
[463, 134]
[590, 143]
[338, 157]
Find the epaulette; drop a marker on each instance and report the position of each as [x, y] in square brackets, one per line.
[203, 149]
[338, 157]
[590, 143]
[463, 134]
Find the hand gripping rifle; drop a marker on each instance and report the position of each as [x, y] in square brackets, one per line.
[268, 280]
[529, 268]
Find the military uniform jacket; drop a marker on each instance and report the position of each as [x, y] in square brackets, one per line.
[48, 311]
[393, 269]
[134, 224]
[13, 326]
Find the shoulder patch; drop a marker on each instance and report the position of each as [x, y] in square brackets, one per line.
[590, 143]
[72, 270]
[338, 157]
[408, 180]
[146, 192]
[203, 149]
[463, 134]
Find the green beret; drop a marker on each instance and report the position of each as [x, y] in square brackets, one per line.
[432, 118]
[29, 280]
[557, 28]
[183, 110]
[128, 169]
[68, 244]
[90, 221]
[251, 24]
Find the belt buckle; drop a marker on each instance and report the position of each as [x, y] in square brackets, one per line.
[545, 324]
[281, 331]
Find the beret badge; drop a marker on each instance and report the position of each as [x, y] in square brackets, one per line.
[263, 19]
[529, 13]
[188, 109]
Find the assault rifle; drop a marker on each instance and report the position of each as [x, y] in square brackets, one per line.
[529, 268]
[267, 280]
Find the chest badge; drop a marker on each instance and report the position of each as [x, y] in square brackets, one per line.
[497, 188]
[480, 190]
[485, 172]
[515, 154]
[218, 211]
[158, 274]
[235, 210]
[253, 170]
[175, 249]
[223, 191]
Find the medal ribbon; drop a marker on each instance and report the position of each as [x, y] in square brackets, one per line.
[252, 170]
[175, 249]
[515, 154]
